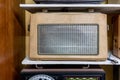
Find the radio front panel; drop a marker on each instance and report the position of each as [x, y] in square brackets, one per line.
[63, 74]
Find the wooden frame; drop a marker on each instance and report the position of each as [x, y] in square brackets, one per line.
[69, 18]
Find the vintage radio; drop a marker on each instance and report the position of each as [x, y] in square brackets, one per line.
[116, 36]
[68, 36]
[63, 74]
[70, 1]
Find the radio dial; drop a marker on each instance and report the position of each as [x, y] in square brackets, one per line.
[41, 77]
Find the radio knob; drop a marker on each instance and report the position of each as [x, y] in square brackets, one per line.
[71, 78]
[84, 78]
[78, 79]
[92, 79]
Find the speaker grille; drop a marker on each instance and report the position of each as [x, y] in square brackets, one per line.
[71, 39]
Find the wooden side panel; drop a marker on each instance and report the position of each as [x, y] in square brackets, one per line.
[109, 71]
[27, 22]
[116, 36]
[11, 39]
[119, 36]
[116, 72]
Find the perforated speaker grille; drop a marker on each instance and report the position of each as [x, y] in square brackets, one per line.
[71, 39]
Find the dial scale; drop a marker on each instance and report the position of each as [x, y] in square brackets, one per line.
[41, 77]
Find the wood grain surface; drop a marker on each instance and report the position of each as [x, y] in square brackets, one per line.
[11, 39]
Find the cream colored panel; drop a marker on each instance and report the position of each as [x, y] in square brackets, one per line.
[114, 1]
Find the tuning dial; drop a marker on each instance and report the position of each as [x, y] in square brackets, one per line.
[41, 77]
